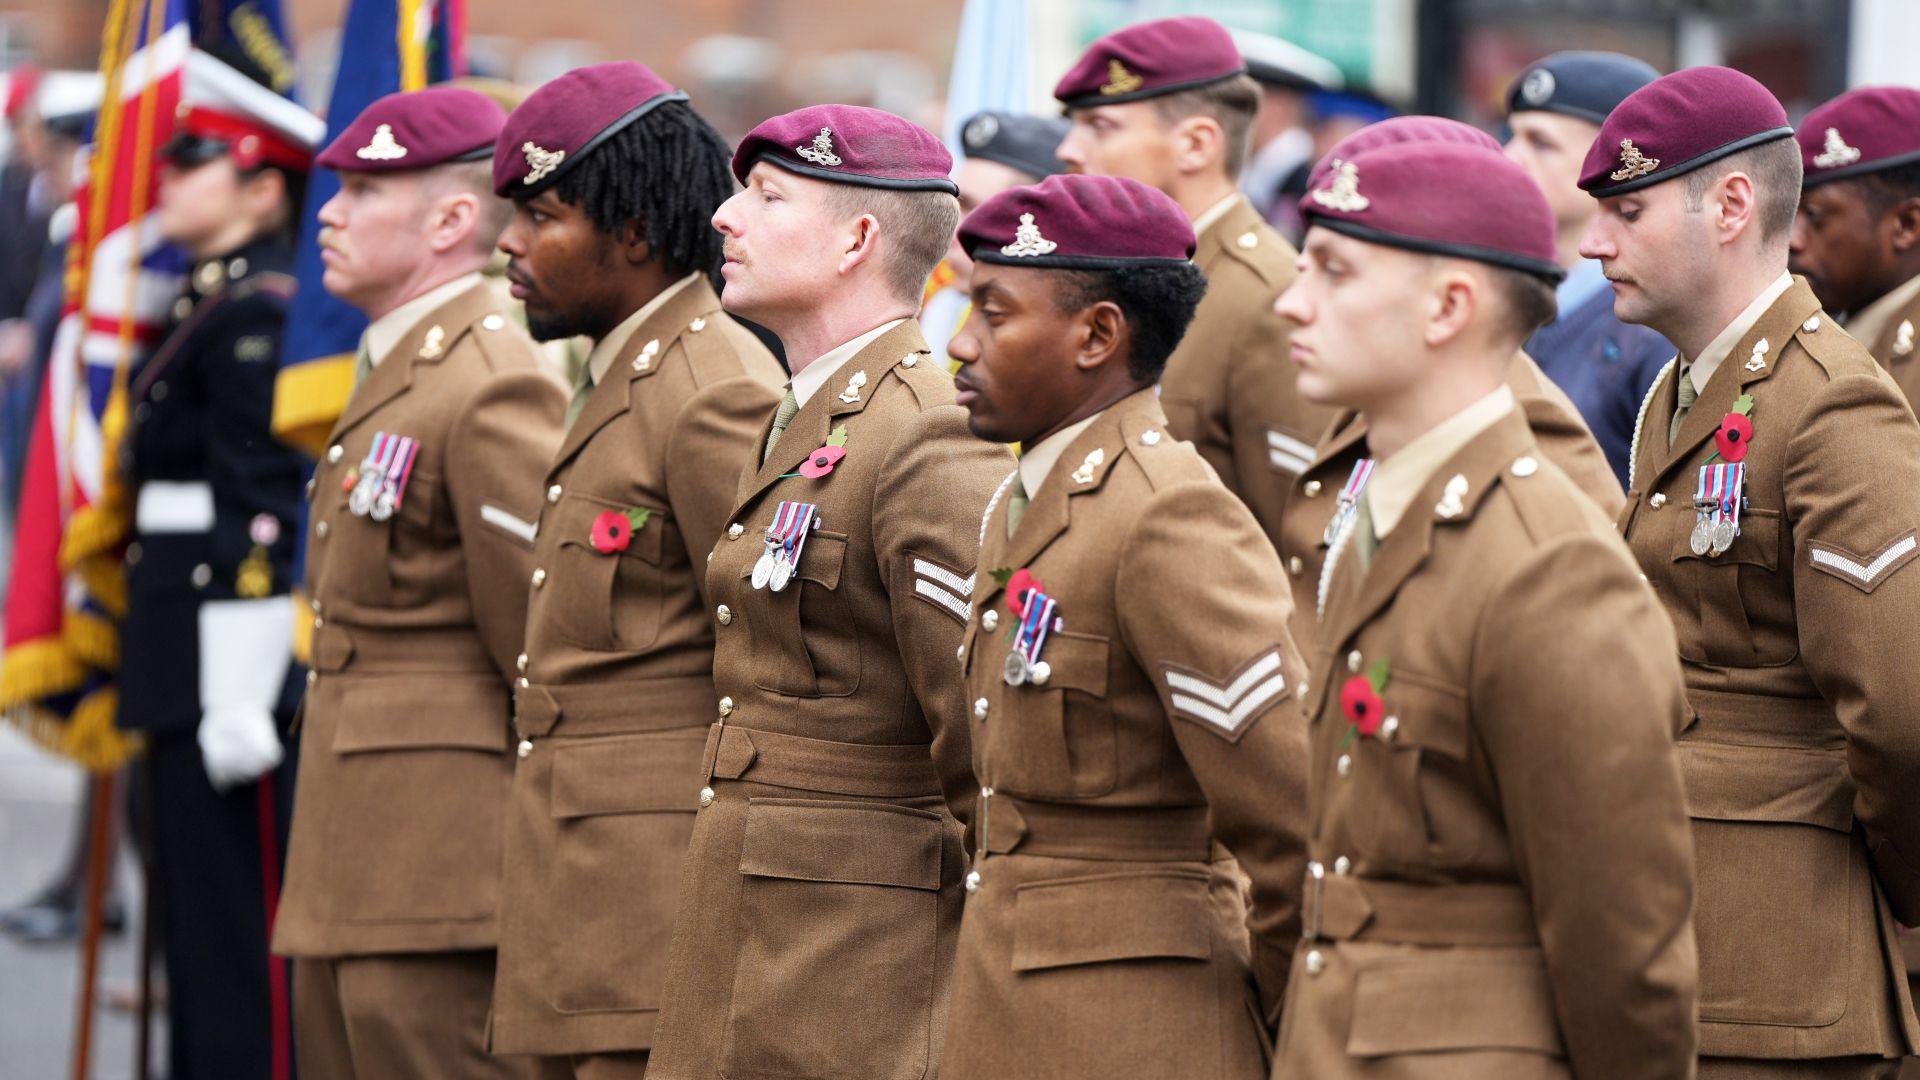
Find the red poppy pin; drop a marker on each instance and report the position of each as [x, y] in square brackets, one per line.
[1360, 701]
[1018, 586]
[821, 461]
[1736, 431]
[613, 529]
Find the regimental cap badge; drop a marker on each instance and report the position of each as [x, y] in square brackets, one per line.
[1837, 152]
[382, 146]
[821, 152]
[1343, 193]
[1027, 241]
[1537, 87]
[1120, 80]
[540, 162]
[1633, 164]
[981, 130]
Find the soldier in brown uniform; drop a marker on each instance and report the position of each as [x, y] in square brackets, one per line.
[1857, 237]
[1115, 733]
[1320, 493]
[616, 684]
[1774, 499]
[820, 898]
[1169, 103]
[1501, 881]
[423, 511]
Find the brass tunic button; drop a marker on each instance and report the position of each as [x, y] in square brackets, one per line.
[493, 322]
[735, 531]
[724, 614]
[202, 576]
[539, 576]
[1316, 963]
[980, 709]
[1343, 866]
[960, 653]
[1301, 690]
[1389, 728]
[320, 530]
[1311, 489]
[726, 706]
[989, 619]
[309, 490]
[526, 747]
[706, 796]
[1659, 500]
[521, 663]
[318, 622]
[1354, 660]
[312, 677]
[553, 494]
[973, 881]
[522, 682]
[1345, 765]
[1295, 565]
[335, 453]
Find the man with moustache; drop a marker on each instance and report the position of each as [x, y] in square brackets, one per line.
[1324, 494]
[821, 893]
[1169, 103]
[1774, 504]
[616, 682]
[423, 512]
[1125, 724]
[1857, 237]
[1489, 894]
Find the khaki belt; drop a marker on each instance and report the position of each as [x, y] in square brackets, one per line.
[612, 708]
[1338, 907]
[1766, 720]
[833, 768]
[1155, 834]
[373, 652]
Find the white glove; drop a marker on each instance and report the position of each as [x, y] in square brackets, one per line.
[245, 646]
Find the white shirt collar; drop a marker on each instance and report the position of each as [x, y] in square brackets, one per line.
[607, 348]
[1701, 370]
[1397, 480]
[1037, 461]
[387, 330]
[815, 375]
[1867, 324]
[1211, 215]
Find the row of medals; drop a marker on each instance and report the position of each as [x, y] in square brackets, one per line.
[372, 496]
[1713, 533]
[774, 569]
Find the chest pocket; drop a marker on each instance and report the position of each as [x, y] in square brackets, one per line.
[605, 602]
[391, 563]
[1736, 609]
[1403, 787]
[806, 642]
[1056, 741]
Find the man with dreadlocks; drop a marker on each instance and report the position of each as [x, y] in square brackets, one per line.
[613, 178]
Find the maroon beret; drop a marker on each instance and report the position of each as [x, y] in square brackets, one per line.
[1079, 222]
[1149, 59]
[1677, 123]
[563, 121]
[850, 144]
[1396, 130]
[416, 129]
[1861, 131]
[1452, 199]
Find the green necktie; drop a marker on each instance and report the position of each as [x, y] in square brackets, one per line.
[788, 406]
[1016, 504]
[582, 390]
[1687, 396]
[362, 362]
[1365, 543]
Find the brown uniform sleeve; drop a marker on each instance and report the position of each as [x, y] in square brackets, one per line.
[1567, 442]
[1261, 397]
[1218, 652]
[1576, 695]
[710, 444]
[1853, 499]
[926, 516]
[498, 451]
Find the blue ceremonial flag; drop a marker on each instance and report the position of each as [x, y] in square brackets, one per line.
[989, 65]
[386, 45]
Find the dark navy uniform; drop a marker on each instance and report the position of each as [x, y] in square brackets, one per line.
[210, 483]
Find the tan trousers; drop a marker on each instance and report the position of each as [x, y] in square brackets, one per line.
[1851, 1068]
[628, 1066]
[387, 1017]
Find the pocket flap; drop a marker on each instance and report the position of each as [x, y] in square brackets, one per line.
[1429, 717]
[847, 842]
[577, 512]
[411, 712]
[1456, 1000]
[1078, 662]
[1124, 916]
[1727, 782]
[1757, 544]
[628, 774]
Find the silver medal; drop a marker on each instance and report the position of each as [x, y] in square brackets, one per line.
[1016, 670]
[1702, 539]
[382, 505]
[763, 569]
[782, 572]
[1723, 534]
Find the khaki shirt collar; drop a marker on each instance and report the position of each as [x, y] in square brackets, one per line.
[1038, 460]
[388, 329]
[815, 375]
[1870, 322]
[1398, 480]
[1701, 369]
[1211, 215]
[608, 348]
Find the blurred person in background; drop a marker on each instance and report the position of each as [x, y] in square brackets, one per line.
[1555, 109]
[1283, 140]
[206, 644]
[1003, 150]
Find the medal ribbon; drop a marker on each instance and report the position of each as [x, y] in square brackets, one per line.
[1349, 497]
[1036, 624]
[1734, 478]
[405, 450]
[1704, 498]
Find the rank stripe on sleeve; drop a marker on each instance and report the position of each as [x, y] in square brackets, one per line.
[507, 523]
[1229, 706]
[1863, 573]
[943, 587]
[1288, 453]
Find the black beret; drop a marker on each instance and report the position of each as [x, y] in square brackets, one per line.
[1018, 141]
[1588, 85]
